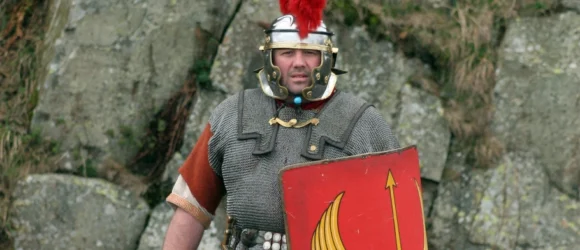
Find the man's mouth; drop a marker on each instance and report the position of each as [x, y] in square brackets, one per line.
[299, 76]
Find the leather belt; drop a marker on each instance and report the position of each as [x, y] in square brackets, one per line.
[237, 238]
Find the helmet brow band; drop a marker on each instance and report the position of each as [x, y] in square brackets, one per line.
[294, 45]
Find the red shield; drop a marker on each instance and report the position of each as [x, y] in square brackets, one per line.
[370, 201]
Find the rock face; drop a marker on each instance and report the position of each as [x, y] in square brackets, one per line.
[108, 66]
[538, 94]
[152, 237]
[530, 199]
[572, 4]
[66, 212]
[238, 55]
[205, 102]
[420, 122]
[376, 72]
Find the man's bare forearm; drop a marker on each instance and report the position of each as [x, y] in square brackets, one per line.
[184, 232]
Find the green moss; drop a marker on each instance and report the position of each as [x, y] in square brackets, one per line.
[201, 70]
[348, 10]
[539, 5]
[126, 131]
[110, 133]
[76, 154]
[54, 147]
[60, 121]
[109, 192]
[129, 137]
[33, 138]
[88, 169]
[161, 125]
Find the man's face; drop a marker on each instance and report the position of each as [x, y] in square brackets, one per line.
[295, 66]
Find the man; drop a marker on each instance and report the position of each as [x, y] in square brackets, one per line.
[295, 116]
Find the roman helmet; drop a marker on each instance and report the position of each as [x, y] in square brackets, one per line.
[290, 32]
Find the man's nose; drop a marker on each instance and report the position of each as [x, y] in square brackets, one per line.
[299, 60]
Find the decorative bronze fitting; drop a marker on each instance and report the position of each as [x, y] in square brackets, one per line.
[230, 230]
[293, 123]
[328, 43]
[288, 124]
[313, 121]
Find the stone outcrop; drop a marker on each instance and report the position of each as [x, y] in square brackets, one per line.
[110, 65]
[420, 122]
[530, 199]
[206, 101]
[537, 95]
[376, 72]
[66, 212]
[572, 4]
[238, 55]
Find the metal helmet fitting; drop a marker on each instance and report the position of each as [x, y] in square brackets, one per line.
[283, 34]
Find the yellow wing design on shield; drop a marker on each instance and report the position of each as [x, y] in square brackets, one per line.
[326, 236]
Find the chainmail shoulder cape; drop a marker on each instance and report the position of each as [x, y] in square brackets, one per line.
[248, 152]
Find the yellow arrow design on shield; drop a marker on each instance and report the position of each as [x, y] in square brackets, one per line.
[390, 185]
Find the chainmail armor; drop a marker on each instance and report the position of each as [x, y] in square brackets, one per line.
[248, 152]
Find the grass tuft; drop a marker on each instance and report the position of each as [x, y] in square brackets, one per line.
[22, 151]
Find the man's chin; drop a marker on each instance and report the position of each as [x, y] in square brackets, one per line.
[296, 91]
[298, 87]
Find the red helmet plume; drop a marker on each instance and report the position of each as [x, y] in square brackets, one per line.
[308, 13]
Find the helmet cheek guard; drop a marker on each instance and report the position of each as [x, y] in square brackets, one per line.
[270, 76]
[284, 34]
[322, 78]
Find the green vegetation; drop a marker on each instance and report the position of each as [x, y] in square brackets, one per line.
[21, 151]
[128, 137]
[201, 70]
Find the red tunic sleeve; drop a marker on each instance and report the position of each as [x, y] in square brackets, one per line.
[204, 184]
